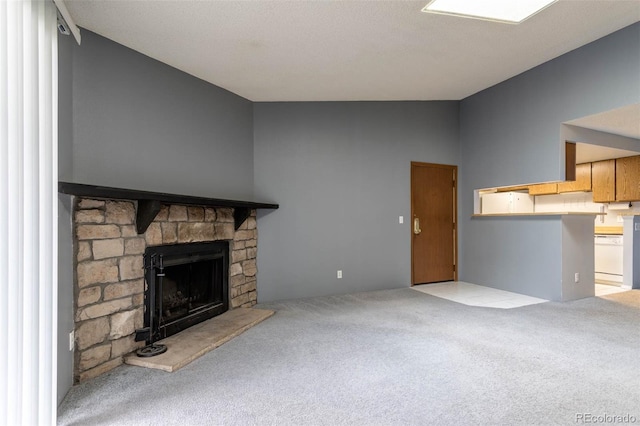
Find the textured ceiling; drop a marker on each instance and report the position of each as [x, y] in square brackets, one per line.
[346, 50]
[586, 153]
[623, 121]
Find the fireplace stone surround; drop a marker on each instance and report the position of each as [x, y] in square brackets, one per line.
[109, 276]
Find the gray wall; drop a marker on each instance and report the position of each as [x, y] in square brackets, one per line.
[65, 248]
[635, 265]
[65, 295]
[65, 106]
[519, 254]
[577, 257]
[128, 121]
[510, 134]
[341, 174]
[141, 124]
[631, 262]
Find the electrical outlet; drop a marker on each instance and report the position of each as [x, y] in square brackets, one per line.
[400, 219]
[339, 273]
[72, 339]
[577, 277]
[637, 227]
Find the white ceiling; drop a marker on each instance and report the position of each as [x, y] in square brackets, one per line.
[623, 121]
[346, 50]
[586, 153]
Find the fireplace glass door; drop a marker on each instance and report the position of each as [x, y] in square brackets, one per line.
[186, 284]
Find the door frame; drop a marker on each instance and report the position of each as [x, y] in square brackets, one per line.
[454, 169]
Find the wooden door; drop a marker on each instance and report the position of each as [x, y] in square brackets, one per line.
[433, 224]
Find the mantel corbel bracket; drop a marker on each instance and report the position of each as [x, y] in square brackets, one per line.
[240, 214]
[147, 211]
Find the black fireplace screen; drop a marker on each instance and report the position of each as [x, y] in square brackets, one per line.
[186, 284]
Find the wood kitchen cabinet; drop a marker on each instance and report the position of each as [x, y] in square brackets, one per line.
[513, 188]
[582, 182]
[543, 189]
[603, 181]
[627, 179]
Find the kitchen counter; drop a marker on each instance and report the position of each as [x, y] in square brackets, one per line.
[608, 230]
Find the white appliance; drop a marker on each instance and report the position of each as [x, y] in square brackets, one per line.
[608, 259]
[506, 202]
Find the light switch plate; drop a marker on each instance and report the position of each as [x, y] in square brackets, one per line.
[400, 219]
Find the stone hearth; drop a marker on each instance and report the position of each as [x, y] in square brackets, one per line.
[109, 284]
[192, 343]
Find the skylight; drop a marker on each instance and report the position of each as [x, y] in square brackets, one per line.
[510, 11]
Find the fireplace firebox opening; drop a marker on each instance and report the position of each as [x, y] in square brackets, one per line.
[185, 285]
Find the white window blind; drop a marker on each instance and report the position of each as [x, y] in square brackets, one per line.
[28, 211]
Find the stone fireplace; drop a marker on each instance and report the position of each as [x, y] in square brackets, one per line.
[110, 269]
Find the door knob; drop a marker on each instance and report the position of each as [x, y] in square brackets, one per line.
[416, 226]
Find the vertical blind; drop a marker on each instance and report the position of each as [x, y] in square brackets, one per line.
[28, 211]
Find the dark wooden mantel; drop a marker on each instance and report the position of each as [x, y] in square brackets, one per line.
[150, 203]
